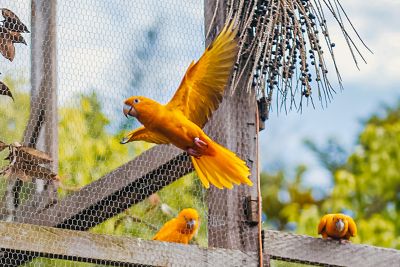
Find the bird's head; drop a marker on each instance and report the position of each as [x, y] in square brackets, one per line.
[340, 223]
[189, 219]
[135, 106]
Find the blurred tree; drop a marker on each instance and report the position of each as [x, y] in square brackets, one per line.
[14, 115]
[87, 152]
[366, 186]
[331, 155]
[286, 202]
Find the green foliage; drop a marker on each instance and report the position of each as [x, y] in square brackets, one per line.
[287, 203]
[14, 115]
[366, 186]
[87, 151]
[144, 219]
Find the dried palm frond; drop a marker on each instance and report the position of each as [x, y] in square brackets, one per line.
[3, 146]
[25, 163]
[282, 46]
[10, 32]
[4, 90]
[30, 155]
[12, 22]
[27, 172]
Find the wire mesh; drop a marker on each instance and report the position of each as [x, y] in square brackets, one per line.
[63, 80]
[80, 61]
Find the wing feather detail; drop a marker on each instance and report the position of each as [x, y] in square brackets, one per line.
[203, 85]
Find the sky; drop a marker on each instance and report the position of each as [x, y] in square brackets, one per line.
[101, 44]
[365, 92]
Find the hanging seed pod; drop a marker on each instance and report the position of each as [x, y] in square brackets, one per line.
[283, 39]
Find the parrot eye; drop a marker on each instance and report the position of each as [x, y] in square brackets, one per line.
[136, 101]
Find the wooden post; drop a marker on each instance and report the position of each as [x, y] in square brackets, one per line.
[44, 80]
[44, 94]
[233, 217]
[41, 131]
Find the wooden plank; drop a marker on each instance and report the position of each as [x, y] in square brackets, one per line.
[115, 192]
[234, 126]
[108, 196]
[306, 249]
[43, 241]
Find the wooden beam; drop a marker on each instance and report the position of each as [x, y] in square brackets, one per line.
[234, 126]
[50, 242]
[309, 250]
[115, 192]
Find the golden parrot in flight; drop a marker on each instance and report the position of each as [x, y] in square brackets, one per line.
[180, 122]
[180, 229]
[337, 226]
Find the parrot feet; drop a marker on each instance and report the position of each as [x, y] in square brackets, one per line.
[199, 148]
[193, 152]
[200, 144]
[344, 241]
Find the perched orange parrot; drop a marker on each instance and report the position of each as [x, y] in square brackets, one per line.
[337, 226]
[180, 122]
[180, 229]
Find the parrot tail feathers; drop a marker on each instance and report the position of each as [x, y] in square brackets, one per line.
[223, 169]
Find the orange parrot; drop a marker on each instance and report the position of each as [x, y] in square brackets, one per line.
[180, 229]
[180, 122]
[337, 226]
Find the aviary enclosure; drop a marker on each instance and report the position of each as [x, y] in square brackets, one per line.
[72, 195]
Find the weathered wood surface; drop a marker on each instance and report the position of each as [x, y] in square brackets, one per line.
[115, 192]
[43, 241]
[234, 126]
[306, 249]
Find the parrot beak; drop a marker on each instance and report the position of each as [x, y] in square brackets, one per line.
[339, 225]
[129, 110]
[190, 224]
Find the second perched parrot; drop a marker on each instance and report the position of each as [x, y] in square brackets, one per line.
[180, 229]
[337, 226]
[180, 122]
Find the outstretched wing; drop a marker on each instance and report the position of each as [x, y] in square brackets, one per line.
[142, 134]
[202, 87]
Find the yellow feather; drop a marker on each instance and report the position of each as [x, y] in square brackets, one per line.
[201, 175]
[206, 79]
[180, 121]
